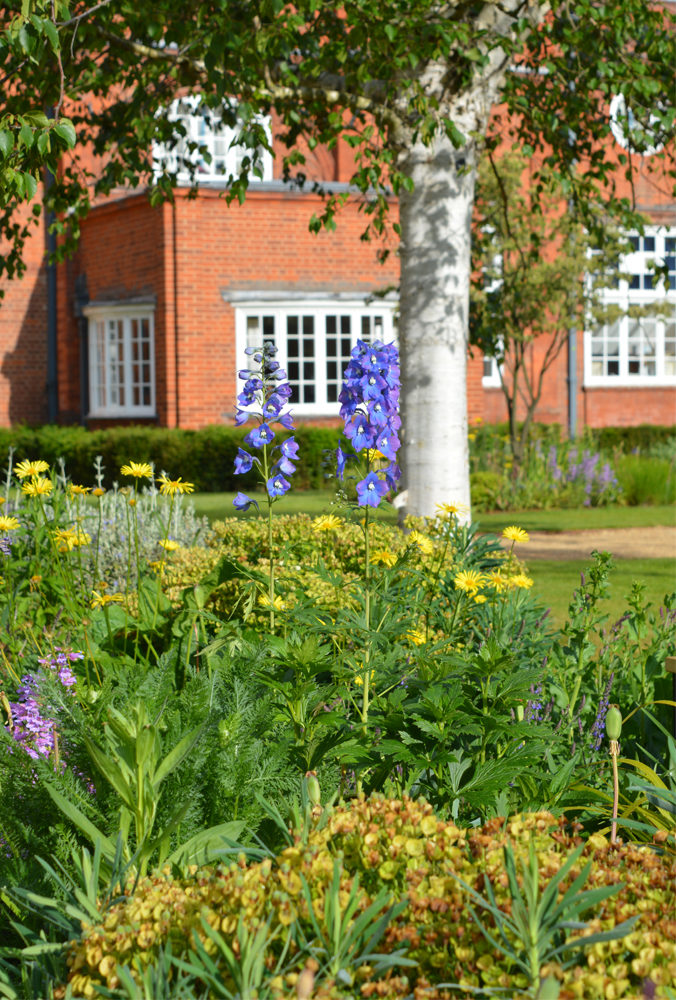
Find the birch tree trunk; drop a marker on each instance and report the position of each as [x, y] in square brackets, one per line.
[435, 219]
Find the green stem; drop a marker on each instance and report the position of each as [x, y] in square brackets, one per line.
[366, 687]
[271, 580]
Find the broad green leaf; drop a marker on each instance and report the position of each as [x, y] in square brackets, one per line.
[81, 821]
[204, 844]
[175, 756]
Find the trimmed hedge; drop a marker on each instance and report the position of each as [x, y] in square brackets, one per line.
[204, 457]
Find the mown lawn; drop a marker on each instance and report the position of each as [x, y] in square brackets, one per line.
[315, 502]
[555, 582]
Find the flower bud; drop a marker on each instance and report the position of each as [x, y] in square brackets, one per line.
[312, 788]
[613, 723]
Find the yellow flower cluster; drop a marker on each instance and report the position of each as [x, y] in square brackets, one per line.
[169, 545]
[264, 602]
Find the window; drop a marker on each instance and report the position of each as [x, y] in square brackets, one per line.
[207, 146]
[638, 350]
[491, 373]
[314, 338]
[121, 361]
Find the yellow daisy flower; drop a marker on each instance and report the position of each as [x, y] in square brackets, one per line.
[82, 538]
[264, 602]
[479, 598]
[65, 538]
[515, 534]
[78, 491]
[416, 636]
[101, 600]
[383, 556]
[170, 487]
[8, 523]
[327, 522]
[451, 509]
[98, 491]
[496, 580]
[28, 468]
[38, 486]
[373, 455]
[469, 581]
[2, 500]
[169, 544]
[521, 580]
[139, 470]
[422, 542]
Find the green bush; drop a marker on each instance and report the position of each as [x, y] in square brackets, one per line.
[205, 457]
[646, 480]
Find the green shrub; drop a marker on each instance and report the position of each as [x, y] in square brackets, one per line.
[646, 480]
[399, 846]
[205, 457]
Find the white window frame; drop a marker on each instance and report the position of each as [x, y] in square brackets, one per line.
[663, 329]
[103, 384]
[492, 379]
[379, 312]
[220, 142]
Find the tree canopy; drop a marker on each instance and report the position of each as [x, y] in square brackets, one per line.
[412, 87]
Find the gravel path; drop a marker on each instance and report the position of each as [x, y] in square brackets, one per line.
[625, 543]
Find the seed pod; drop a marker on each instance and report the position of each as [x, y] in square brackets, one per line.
[312, 788]
[613, 723]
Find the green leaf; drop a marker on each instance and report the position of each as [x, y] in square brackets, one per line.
[6, 143]
[81, 821]
[66, 131]
[52, 34]
[205, 844]
[26, 135]
[175, 756]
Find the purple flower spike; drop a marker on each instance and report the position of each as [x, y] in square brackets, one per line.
[243, 502]
[371, 490]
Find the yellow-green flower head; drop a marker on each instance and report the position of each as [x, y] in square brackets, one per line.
[327, 522]
[139, 470]
[170, 487]
[515, 534]
[78, 491]
[100, 600]
[28, 468]
[422, 542]
[8, 523]
[383, 556]
[38, 487]
[469, 581]
[521, 580]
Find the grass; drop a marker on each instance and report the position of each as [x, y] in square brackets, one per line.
[555, 581]
[315, 502]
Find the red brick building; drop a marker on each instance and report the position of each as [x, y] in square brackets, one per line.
[155, 309]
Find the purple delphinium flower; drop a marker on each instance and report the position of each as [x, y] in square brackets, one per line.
[243, 502]
[32, 729]
[267, 386]
[369, 401]
[371, 490]
[243, 462]
[6, 545]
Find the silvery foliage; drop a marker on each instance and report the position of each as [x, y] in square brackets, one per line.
[111, 555]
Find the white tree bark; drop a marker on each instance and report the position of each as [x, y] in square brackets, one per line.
[435, 248]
